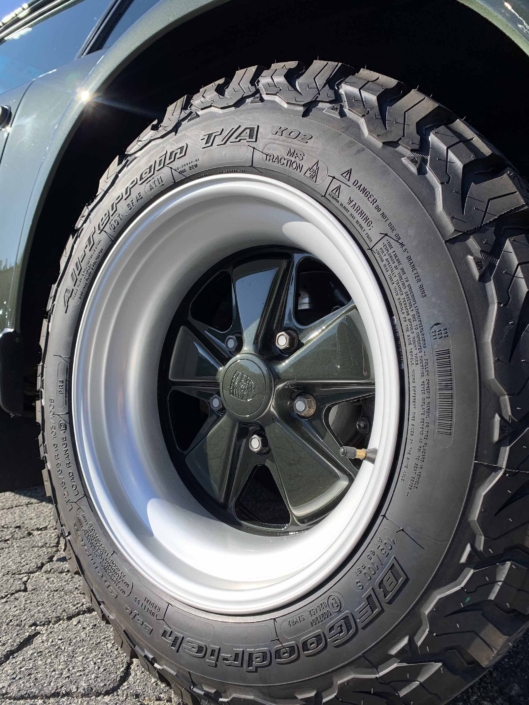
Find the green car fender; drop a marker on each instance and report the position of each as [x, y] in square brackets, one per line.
[511, 17]
[48, 115]
[46, 119]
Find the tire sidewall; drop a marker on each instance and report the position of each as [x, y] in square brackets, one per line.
[391, 213]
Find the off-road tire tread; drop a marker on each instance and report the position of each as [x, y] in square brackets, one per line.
[473, 620]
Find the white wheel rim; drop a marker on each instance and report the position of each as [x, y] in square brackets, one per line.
[147, 510]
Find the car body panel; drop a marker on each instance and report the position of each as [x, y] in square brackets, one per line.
[46, 121]
[31, 134]
[51, 111]
[511, 17]
[12, 100]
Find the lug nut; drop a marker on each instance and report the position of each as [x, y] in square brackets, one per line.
[216, 403]
[305, 405]
[233, 343]
[363, 425]
[258, 443]
[286, 340]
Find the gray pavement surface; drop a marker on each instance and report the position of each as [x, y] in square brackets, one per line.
[54, 650]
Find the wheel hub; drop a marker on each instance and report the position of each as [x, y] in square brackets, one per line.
[277, 396]
[246, 387]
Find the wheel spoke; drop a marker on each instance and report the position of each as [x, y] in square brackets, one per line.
[336, 392]
[309, 475]
[321, 431]
[191, 360]
[212, 457]
[260, 288]
[244, 461]
[201, 390]
[332, 349]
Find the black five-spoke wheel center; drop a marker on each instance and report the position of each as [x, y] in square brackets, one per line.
[265, 375]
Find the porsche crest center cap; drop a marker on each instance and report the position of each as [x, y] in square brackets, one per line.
[246, 387]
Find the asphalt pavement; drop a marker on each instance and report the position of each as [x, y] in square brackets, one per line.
[54, 650]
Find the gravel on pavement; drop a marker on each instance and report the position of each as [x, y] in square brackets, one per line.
[54, 650]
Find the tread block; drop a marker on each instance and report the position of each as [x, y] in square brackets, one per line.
[112, 170]
[51, 299]
[362, 90]
[403, 117]
[83, 217]
[445, 162]
[407, 681]
[517, 458]
[122, 644]
[478, 649]
[520, 402]
[505, 513]
[315, 83]
[443, 679]
[174, 114]
[279, 79]
[367, 692]
[367, 95]
[513, 269]
[478, 615]
[294, 87]
[47, 482]
[491, 199]
[226, 93]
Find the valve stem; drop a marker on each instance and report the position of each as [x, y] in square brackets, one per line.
[359, 453]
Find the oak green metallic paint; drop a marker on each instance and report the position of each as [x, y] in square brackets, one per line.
[12, 100]
[511, 16]
[50, 113]
[24, 155]
[47, 119]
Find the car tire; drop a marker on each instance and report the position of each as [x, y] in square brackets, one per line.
[433, 588]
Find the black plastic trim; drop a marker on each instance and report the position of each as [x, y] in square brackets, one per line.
[104, 26]
[11, 372]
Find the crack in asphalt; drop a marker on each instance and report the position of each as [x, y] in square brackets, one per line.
[27, 641]
[113, 676]
[80, 696]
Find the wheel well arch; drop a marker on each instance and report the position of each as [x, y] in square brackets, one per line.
[445, 48]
